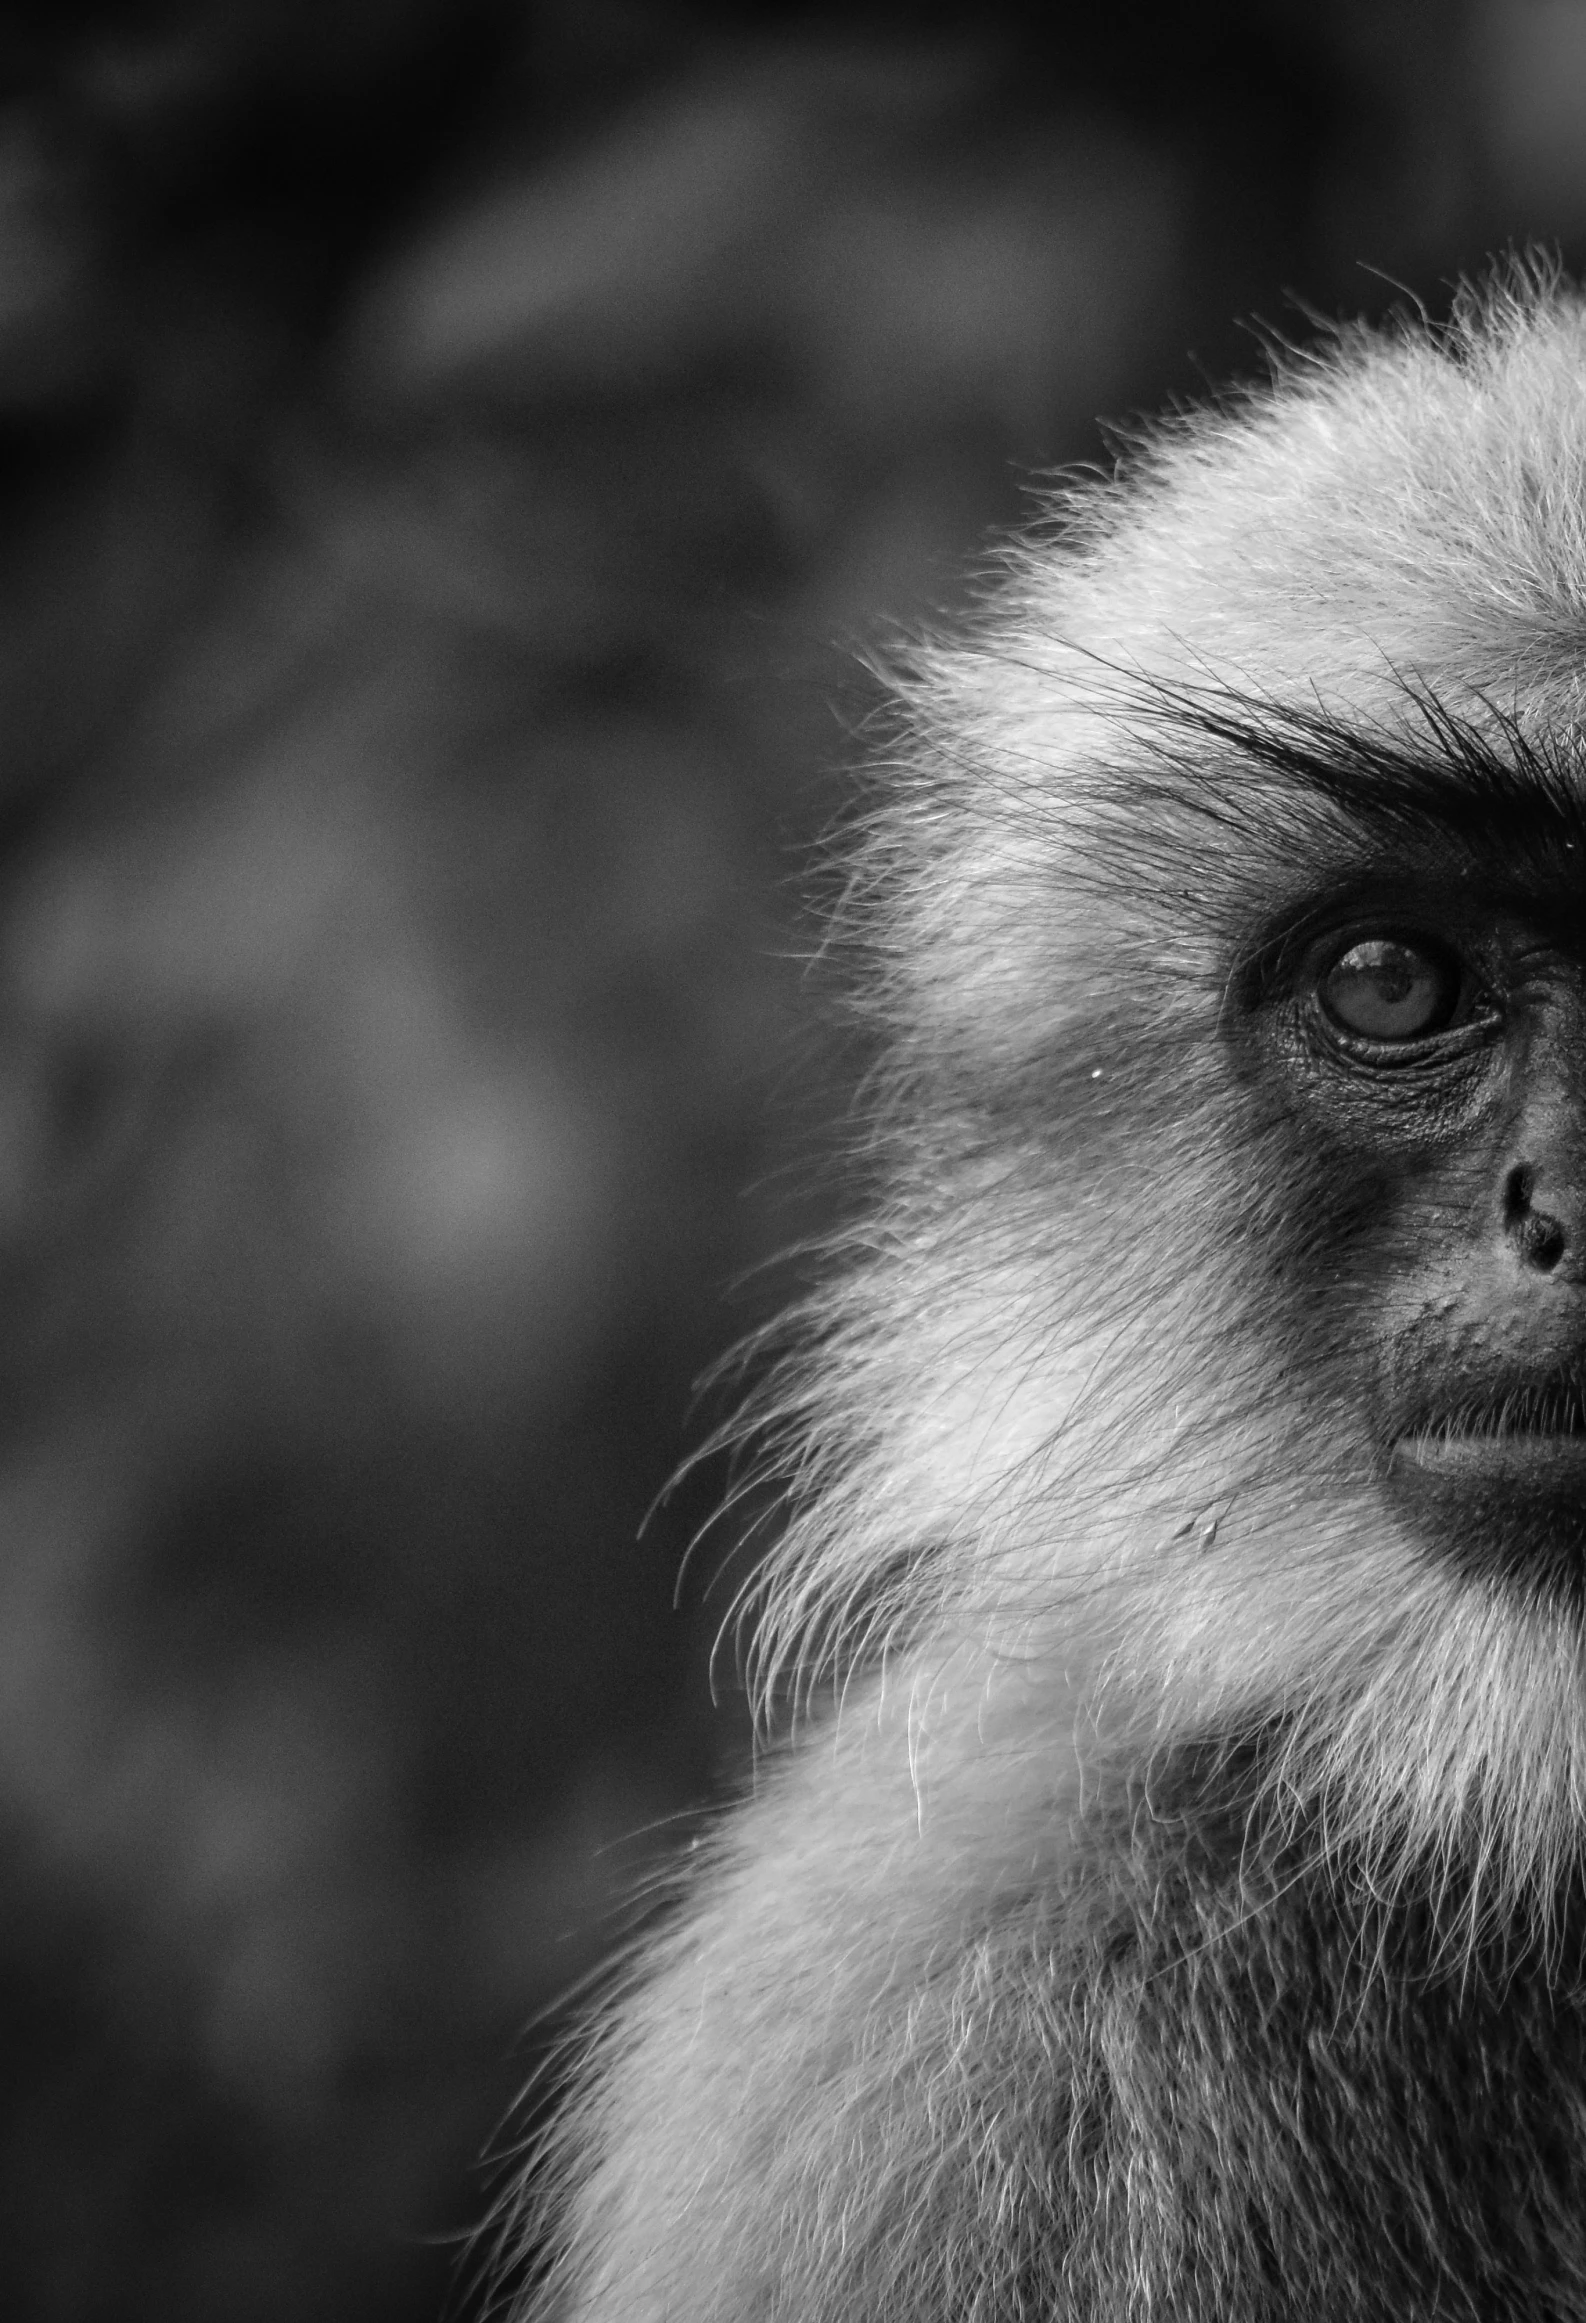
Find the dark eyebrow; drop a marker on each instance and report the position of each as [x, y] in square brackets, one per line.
[1443, 774]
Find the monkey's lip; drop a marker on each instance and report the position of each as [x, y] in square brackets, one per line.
[1525, 1457]
[1533, 1438]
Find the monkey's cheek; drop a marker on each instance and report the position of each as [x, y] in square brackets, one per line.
[1508, 1506]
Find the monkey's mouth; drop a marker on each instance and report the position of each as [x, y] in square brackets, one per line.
[1531, 1438]
[1500, 1486]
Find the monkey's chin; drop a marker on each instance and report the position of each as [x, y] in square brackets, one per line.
[1508, 1503]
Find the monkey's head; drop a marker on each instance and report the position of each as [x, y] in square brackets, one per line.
[1223, 1335]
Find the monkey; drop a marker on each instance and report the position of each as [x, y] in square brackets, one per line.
[1169, 1898]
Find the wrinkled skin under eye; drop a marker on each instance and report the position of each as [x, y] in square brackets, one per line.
[1384, 988]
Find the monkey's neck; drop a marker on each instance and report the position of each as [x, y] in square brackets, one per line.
[1206, 1836]
[1323, 2105]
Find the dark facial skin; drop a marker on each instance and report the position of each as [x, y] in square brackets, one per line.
[1429, 1030]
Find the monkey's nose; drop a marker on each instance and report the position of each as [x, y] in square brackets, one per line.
[1541, 1224]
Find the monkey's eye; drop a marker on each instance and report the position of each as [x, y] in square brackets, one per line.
[1384, 988]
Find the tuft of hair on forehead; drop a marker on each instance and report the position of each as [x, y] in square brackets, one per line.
[1411, 497]
[1404, 500]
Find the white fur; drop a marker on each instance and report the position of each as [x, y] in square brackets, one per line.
[1054, 1502]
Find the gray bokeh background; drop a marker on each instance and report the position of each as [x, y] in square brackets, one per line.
[455, 455]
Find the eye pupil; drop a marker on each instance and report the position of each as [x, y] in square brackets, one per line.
[1387, 990]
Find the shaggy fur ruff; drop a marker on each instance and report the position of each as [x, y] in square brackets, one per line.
[1171, 1905]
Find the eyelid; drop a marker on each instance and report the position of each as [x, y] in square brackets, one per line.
[1318, 954]
[1335, 942]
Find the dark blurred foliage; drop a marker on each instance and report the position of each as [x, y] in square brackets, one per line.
[452, 453]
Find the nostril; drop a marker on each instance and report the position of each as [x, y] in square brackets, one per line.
[1541, 1242]
[1538, 1237]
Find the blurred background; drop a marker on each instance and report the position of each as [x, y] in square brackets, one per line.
[454, 455]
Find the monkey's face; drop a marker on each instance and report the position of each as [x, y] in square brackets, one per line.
[1425, 1023]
